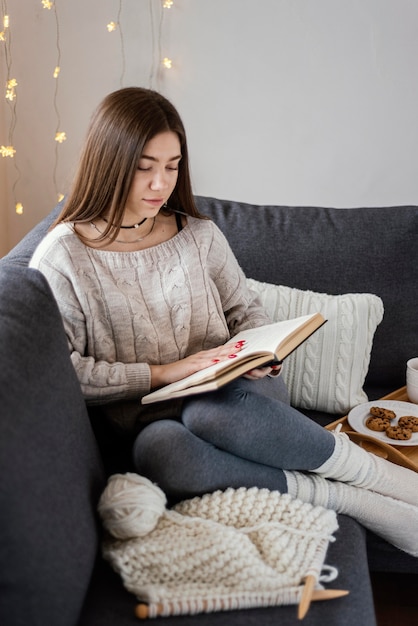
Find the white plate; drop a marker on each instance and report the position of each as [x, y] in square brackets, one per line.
[357, 420]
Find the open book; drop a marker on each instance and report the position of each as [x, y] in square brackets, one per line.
[265, 345]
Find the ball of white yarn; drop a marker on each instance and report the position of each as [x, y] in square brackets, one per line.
[131, 505]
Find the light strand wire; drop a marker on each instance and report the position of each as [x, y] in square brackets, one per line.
[122, 44]
[56, 90]
[12, 102]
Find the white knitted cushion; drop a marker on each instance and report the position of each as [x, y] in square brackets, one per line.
[226, 550]
[327, 372]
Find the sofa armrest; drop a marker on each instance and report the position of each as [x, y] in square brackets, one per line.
[50, 469]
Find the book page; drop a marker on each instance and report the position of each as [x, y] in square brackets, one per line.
[261, 346]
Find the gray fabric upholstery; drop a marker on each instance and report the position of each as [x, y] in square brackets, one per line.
[108, 604]
[336, 251]
[50, 471]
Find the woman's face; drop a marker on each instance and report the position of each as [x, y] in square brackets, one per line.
[155, 178]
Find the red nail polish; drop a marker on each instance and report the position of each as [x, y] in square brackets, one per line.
[232, 356]
[215, 360]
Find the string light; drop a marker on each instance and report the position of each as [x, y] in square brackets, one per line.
[7, 151]
[60, 136]
[112, 27]
[10, 89]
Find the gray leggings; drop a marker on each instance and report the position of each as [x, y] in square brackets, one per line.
[242, 435]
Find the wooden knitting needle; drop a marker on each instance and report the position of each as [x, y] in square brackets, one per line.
[306, 598]
[142, 612]
[309, 593]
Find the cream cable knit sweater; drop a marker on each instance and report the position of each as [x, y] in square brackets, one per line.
[124, 311]
[225, 550]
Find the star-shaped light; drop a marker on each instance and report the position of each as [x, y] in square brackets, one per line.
[60, 137]
[57, 71]
[168, 63]
[7, 151]
[19, 208]
[10, 89]
[2, 36]
[112, 26]
[47, 4]
[168, 4]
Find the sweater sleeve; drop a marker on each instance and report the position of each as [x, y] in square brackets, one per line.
[101, 381]
[241, 306]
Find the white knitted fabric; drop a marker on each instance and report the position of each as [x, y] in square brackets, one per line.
[234, 549]
[328, 371]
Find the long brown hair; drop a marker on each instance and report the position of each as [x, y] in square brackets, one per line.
[119, 129]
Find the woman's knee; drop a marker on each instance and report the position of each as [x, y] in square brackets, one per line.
[170, 456]
[153, 445]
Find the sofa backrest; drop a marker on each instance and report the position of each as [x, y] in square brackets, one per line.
[336, 251]
[328, 250]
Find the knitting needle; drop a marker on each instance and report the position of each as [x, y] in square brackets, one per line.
[309, 593]
[142, 612]
[306, 597]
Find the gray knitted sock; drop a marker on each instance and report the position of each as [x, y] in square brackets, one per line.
[395, 521]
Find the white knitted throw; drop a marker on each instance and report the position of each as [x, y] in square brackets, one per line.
[227, 550]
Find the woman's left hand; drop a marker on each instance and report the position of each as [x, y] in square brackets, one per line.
[261, 372]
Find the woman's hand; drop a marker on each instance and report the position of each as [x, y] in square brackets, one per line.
[261, 372]
[172, 372]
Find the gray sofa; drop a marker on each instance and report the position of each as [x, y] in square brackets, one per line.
[55, 453]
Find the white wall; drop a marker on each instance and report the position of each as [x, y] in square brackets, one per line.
[285, 101]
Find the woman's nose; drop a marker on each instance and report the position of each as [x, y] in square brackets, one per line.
[159, 180]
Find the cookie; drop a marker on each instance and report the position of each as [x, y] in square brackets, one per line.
[378, 411]
[409, 421]
[379, 424]
[399, 433]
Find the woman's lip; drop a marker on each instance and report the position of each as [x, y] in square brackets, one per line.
[154, 201]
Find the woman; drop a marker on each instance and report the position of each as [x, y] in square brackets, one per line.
[149, 292]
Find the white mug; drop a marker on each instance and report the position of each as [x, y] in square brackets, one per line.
[412, 380]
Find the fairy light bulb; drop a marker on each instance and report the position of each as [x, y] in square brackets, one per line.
[7, 151]
[6, 21]
[47, 4]
[19, 208]
[167, 4]
[60, 136]
[10, 89]
[112, 26]
[57, 71]
[168, 63]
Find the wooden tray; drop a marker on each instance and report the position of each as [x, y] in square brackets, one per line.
[402, 455]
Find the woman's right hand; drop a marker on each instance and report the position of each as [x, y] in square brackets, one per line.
[171, 372]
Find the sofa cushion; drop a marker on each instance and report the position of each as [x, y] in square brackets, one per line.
[327, 372]
[336, 251]
[50, 472]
